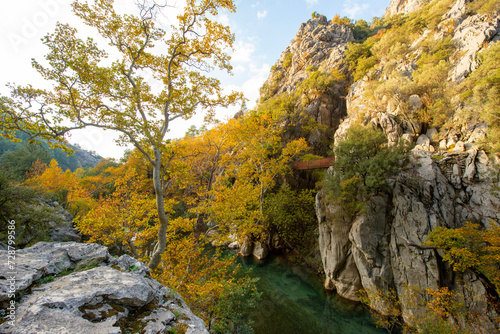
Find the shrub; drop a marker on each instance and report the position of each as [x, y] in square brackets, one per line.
[291, 213]
[363, 163]
[288, 61]
[481, 92]
[25, 206]
[360, 59]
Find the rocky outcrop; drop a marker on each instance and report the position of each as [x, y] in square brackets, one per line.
[86, 158]
[470, 37]
[336, 249]
[318, 47]
[319, 43]
[260, 250]
[403, 7]
[384, 244]
[79, 288]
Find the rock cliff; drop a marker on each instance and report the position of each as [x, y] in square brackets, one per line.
[403, 7]
[448, 181]
[316, 54]
[79, 288]
[381, 250]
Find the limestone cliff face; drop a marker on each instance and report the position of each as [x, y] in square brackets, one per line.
[403, 7]
[319, 45]
[448, 181]
[380, 250]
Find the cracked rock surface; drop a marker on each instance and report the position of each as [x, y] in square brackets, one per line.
[89, 292]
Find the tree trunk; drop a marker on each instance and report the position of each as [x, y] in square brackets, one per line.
[160, 207]
[132, 248]
[200, 227]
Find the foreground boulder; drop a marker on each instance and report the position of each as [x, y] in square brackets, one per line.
[79, 288]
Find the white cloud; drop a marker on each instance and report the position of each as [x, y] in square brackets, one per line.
[239, 69]
[312, 2]
[243, 52]
[353, 9]
[252, 86]
[261, 15]
[256, 75]
[223, 19]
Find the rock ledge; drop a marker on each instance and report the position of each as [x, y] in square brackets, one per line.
[79, 288]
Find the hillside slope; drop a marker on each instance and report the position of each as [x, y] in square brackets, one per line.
[427, 74]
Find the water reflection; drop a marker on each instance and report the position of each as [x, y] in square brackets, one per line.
[293, 301]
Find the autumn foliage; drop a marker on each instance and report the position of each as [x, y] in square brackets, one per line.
[471, 247]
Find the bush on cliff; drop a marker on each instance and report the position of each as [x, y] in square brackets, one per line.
[363, 164]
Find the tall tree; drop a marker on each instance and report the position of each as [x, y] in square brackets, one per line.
[90, 90]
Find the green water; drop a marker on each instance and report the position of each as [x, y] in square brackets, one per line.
[294, 302]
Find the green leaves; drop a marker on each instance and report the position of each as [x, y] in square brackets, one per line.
[363, 163]
[481, 93]
[291, 213]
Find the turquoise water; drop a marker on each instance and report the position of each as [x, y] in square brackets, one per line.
[294, 302]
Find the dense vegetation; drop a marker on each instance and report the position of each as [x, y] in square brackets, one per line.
[170, 202]
[363, 164]
[17, 157]
[398, 41]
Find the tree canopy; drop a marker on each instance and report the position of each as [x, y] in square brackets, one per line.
[113, 87]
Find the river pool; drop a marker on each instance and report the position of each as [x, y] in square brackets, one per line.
[294, 302]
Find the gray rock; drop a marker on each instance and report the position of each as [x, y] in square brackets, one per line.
[414, 103]
[159, 321]
[128, 263]
[390, 126]
[94, 300]
[65, 233]
[233, 245]
[408, 137]
[247, 247]
[469, 36]
[423, 140]
[443, 145]
[478, 134]
[44, 259]
[402, 7]
[385, 244]
[335, 248]
[456, 178]
[470, 169]
[318, 44]
[432, 133]
[260, 250]
[370, 250]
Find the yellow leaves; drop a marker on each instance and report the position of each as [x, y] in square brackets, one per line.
[126, 216]
[471, 247]
[198, 272]
[443, 303]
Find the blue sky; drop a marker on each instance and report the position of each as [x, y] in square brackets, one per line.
[263, 29]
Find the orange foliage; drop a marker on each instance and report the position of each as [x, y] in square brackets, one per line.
[255, 159]
[471, 247]
[126, 217]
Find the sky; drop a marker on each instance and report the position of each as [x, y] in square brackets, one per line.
[263, 29]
